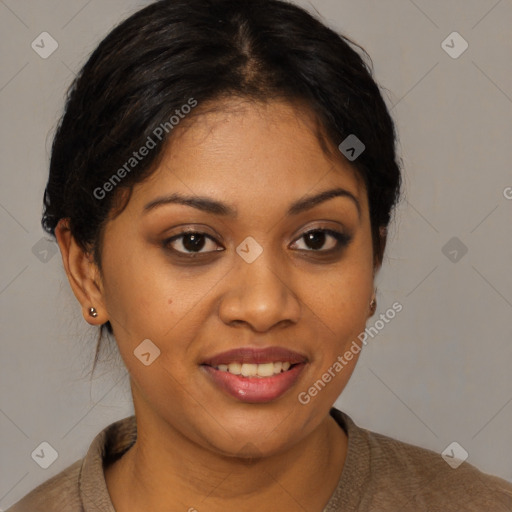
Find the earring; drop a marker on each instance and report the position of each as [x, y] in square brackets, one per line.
[93, 312]
[373, 305]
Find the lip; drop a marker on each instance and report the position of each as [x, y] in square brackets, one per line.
[252, 355]
[255, 389]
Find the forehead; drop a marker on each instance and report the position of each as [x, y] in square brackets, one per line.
[241, 149]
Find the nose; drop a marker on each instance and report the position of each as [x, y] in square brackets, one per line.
[259, 294]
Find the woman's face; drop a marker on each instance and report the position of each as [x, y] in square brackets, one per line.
[248, 279]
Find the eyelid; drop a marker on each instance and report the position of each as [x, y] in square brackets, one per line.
[342, 240]
[187, 231]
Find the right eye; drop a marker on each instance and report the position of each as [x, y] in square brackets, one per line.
[191, 241]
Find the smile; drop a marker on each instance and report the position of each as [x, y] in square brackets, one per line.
[255, 375]
[255, 370]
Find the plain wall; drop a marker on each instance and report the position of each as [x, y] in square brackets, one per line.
[438, 372]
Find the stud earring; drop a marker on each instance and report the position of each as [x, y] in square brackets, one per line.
[373, 305]
[93, 312]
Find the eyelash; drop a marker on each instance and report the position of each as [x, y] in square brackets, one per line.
[342, 240]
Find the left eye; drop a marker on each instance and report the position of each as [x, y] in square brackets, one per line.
[316, 239]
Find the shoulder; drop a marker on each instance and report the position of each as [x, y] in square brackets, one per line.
[430, 483]
[408, 477]
[55, 494]
[81, 487]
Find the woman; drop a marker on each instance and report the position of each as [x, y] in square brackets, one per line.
[220, 188]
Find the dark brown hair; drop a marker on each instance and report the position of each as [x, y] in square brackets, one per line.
[172, 51]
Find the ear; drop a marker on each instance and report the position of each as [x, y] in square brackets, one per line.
[83, 274]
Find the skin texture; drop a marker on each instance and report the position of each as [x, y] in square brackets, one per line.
[197, 447]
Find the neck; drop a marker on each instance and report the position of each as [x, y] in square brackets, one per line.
[160, 470]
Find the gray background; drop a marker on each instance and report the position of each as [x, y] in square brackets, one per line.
[439, 372]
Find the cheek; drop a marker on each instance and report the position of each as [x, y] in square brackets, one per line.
[139, 302]
[339, 301]
[148, 299]
[137, 292]
[340, 310]
[341, 298]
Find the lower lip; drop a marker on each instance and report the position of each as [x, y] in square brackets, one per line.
[255, 389]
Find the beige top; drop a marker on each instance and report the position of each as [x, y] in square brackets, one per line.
[380, 475]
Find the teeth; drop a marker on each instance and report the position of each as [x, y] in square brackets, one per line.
[234, 368]
[255, 370]
[265, 370]
[249, 370]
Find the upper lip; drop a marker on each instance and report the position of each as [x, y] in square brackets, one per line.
[251, 355]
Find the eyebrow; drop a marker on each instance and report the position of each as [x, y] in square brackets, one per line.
[215, 207]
